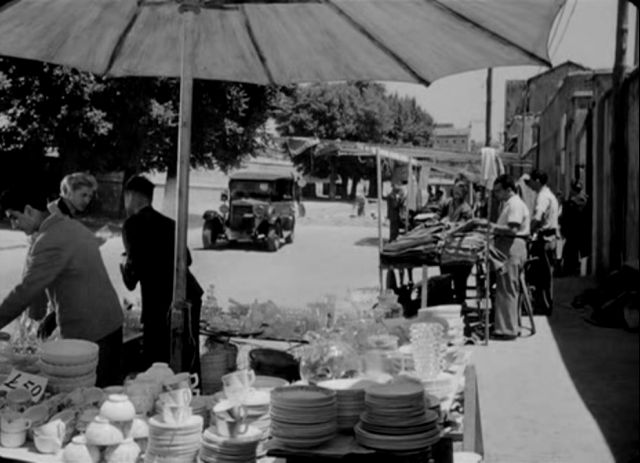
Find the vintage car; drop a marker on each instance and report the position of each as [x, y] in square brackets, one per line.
[259, 207]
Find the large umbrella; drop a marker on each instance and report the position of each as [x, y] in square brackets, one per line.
[264, 42]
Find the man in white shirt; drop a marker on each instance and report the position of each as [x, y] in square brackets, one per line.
[510, 237]
[544, 226]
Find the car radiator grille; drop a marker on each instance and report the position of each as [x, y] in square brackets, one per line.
[237, 217]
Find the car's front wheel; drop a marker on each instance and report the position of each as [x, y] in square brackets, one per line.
[209, 235]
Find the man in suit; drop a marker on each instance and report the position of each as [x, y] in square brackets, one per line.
[64, 260]
[149, 239]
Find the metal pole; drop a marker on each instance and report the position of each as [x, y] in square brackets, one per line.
[380, 240]
[180, 324]
[487, 118]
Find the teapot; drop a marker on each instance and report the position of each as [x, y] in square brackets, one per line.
[159, 371]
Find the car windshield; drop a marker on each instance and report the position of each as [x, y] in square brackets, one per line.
[250, 189]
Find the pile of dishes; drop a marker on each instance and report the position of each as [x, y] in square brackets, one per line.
[303, 416]
[240, 449]
[69, 364]
[396, 419]
[173, 443]
[350, 399]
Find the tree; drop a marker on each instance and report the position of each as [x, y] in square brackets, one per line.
[127, 124]
[358, 111]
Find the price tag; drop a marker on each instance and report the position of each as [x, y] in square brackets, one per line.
[20, 380]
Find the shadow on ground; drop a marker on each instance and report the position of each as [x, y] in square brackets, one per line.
[370, 241]
[603, 364]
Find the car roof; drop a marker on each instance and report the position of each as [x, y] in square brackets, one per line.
[256, 175]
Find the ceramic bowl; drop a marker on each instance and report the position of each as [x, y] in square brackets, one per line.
[71, 370]
[79, 451]
[60, 384]
[118, 407]
[125, 452]
[37, 414]
[101, 432]
[69, 351]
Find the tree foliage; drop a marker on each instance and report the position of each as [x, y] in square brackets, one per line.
[355, 111]
[131, 124]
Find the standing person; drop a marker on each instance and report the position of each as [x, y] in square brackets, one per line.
[480, 205]
[510, 237]
[76, 193]
[544, 227]
[458, 210]
[149, 239]
[395, 206]
[65, 261]
[573, 227]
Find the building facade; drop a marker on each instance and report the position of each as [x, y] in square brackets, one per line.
[448, 137]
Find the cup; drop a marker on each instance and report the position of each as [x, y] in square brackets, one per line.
[13, 439]
[180, 381]
[15, 424]
[230, 418]
[240, 378]
[176, 414]
[180, 397]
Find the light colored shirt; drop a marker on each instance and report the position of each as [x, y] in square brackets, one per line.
[546, 209]
[515, 212]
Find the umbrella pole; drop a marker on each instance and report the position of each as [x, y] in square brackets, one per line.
[180, 323]
[380, 242]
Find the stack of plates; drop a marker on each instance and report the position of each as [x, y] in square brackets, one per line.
[69, 364]
[169, 443]
[303, 416]
[240, 449]
[396, 419]
[350, 398]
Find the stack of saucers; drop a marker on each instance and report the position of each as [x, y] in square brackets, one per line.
[173, 443]
[396, 419]
[303, 416]
[69, 364]
[350, 398]
[240, 449]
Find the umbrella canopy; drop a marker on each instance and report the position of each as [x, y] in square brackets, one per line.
[282, 43]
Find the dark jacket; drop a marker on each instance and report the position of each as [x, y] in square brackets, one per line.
[149, 238]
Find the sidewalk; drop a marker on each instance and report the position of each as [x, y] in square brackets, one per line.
[568, 394]
[12, 239]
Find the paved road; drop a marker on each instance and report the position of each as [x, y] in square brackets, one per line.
[322, 260]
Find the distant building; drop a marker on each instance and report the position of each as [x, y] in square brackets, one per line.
[525, 101]
[448, 137]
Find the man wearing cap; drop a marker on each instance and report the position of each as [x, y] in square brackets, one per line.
[544, 227]
[64, 261]
[149, 239]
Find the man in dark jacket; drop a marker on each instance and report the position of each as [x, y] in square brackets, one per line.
[149, 239]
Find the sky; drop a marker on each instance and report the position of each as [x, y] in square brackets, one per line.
[589, 39]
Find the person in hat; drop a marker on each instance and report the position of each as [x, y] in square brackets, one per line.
[148, 237]
[64, 261]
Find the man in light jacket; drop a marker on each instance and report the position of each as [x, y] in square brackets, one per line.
[65, 261]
